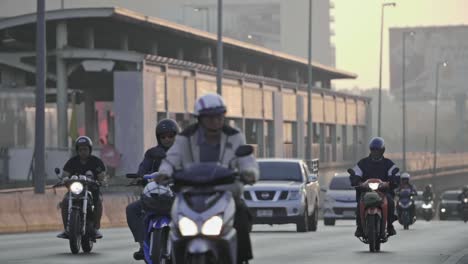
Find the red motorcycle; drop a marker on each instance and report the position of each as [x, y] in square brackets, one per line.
[373, 209]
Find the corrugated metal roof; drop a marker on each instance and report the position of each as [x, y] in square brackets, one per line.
[126, 14]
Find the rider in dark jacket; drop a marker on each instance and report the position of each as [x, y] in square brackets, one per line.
[428, 195]
[166, 130]
[376, 166]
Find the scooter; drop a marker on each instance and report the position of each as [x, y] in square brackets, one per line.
[405, 209]
[202, 230]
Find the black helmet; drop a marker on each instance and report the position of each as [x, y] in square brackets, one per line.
[429, 187]
[166, 126]
[84, 141]
[377, 148]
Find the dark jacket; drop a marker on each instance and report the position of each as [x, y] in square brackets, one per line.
[150, 163]
[383, 169]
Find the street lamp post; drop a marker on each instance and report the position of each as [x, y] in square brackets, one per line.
[39, 141]
[403, 86]
[309, 89]
[379, 121]
[436, 98]
[220, 54]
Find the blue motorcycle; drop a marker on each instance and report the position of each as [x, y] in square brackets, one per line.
[156, 202]
[405, 208]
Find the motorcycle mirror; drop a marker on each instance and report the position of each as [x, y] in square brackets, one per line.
[351, 172]
[132, 175]
[244, 150]
[57, 171]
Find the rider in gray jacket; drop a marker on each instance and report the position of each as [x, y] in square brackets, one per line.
[210, 140]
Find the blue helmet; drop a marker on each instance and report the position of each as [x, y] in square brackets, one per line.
[377, 148]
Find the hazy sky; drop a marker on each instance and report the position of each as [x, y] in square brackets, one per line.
[357, 28]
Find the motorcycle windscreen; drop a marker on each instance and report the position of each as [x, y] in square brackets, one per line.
[200, 202]
[204, 174]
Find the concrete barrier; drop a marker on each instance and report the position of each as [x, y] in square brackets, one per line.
[114, 209]
[11, 219]
[40, 211]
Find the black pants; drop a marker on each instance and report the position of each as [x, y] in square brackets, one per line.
[135, 220]
[95, 217]
[391, 211]
[243, 224]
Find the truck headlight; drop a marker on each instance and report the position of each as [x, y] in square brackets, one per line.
[212, 226]
[294, 195]
[187, 227]
[76, 188]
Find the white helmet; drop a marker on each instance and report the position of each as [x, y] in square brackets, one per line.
[154, 188]
[209, 104]
[405, 175]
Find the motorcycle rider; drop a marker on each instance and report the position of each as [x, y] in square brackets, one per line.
[428, 195]
[83, 164]
[165, 131]
[405, 184]
[463, 194]
[376, 166]
[211, 140]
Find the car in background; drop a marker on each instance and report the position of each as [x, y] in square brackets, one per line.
[287, 192]
[449, 204]
[340, 200]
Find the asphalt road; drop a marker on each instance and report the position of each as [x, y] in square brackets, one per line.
[434, 242]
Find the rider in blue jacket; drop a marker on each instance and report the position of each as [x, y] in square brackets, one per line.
[376, 166]
[166, 131]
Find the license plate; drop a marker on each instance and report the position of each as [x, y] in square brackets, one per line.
[264, 213]
[349, 213]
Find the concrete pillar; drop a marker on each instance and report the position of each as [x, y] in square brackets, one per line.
[333, 141]
[322, 142]
[355, 143]
[180, 54]
[124, 42]
[154, 48]
[260, 138]
[206, 56]
[278, 124]
[300, 140]
[460, 110]
[90, 115]
[344, 140]
[89, 38]
[62, 97]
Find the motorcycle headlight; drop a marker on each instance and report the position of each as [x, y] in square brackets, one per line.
[374, 186]
[443, 210]
[187, 227]
[465, 200]
[294, 195]
[212, 226]
[427, 206]
[76, 188]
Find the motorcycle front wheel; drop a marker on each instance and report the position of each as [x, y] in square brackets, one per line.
[373, 232]
[75, 231]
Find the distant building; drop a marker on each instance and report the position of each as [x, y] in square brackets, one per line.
[275, 24]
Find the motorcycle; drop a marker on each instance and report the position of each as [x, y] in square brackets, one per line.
[428, 209]
[373, 209]
[156, 202]
[202, 230]
[405, 209]
[80, 225]
[464, 209]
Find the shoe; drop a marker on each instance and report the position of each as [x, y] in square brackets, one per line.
[139, 255]
[391, 231]
[359, 232]
[63, 235]
[97, 234]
